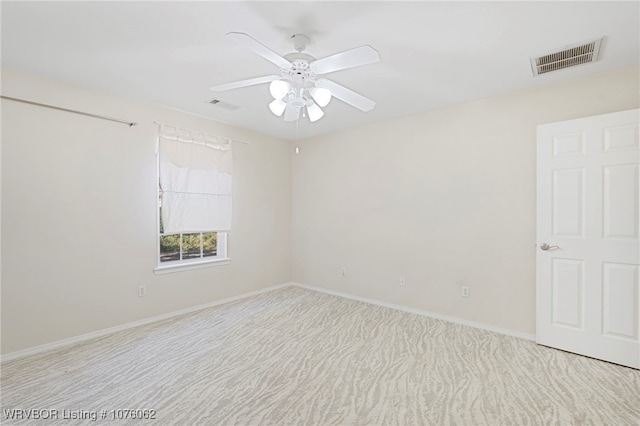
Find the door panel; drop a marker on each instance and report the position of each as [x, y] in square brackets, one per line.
[568, 145]
[620, 201]
[620, 300]
[568, 202]
[621, 138]
[568, 292]
[588, 230]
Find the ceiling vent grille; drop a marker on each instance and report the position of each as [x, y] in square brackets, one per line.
[568, 56]
[223, 104]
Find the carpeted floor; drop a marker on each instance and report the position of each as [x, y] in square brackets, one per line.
[299, 357]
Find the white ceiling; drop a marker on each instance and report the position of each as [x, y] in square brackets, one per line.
[433, 54]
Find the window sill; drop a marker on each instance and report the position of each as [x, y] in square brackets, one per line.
[168, 269]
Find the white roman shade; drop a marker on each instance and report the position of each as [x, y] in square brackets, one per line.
[195, 178]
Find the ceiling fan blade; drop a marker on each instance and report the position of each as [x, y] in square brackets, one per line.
[292, 113]
[259, 48]
[346, 95]
[244, 83]
[362, 55]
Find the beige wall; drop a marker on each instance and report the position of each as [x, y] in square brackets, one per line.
[79, 215]
[444, 198]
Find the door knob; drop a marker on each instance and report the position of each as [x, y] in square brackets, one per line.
[546, 247]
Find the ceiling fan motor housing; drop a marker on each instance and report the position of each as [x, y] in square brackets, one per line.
[299, 74]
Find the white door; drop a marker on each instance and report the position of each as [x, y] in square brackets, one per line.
[588, 246]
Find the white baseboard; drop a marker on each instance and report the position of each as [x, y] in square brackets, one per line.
[83, 337]
[474, 324]
[77, 339]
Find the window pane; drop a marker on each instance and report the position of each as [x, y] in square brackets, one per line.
[209, 244]
[160, 208]
[190, 246]
[169, 247]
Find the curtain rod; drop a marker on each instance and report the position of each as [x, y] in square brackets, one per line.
[214, 146]
[128, 123]
[197, 132]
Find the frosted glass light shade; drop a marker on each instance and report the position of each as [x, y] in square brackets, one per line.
[321, 95]
[277, 106]
[314, 112]
[279, 88]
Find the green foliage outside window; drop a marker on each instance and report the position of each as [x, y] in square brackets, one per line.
[194, 246]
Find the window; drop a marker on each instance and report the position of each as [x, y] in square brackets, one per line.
[188, 246]
[184, 248]
[194, 198]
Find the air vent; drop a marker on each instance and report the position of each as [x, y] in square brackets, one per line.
[223, 104]
[566, 57]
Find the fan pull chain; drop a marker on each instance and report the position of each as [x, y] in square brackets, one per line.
[297, 150]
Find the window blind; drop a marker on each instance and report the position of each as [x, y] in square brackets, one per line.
[195, 179]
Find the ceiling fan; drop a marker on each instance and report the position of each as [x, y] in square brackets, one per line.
[298, 89]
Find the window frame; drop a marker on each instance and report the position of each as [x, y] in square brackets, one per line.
[221, 257]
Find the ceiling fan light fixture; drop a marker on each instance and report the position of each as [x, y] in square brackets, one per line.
[314, 112]
[277, 106]
[279, 88]
[321, 95]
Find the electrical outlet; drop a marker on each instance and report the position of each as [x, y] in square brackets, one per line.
[142, 291]
[402, 282]
[464, 290]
